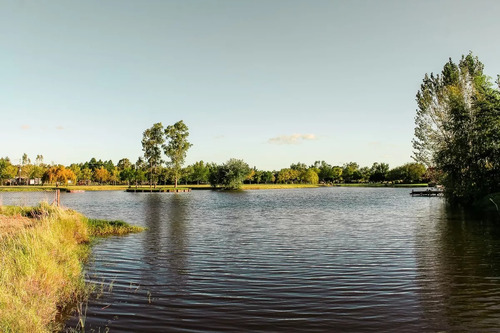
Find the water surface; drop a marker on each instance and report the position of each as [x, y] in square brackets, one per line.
[317, 260]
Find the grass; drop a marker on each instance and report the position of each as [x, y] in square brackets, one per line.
[104, 228]
[42, 253]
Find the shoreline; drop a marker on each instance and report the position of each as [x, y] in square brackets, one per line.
[43, 251]
[94, 188]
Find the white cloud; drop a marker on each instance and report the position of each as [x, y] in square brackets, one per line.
[292, 139]
[25, 127]
[59, 127]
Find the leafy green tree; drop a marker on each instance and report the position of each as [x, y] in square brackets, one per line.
[123, 164]
[114, 175]
[76, 170]
[257, 177]
[7, 170]
[230, 175]
[152, 140]
[350, 172]
[457, 126]
[200, 172]
[127, 175]
[86, 175]
[298, 166]
[365, 173]
[309, 176]
[288, 175]
[378, 172]
[268, 177]
[408, 173]
[176, 147]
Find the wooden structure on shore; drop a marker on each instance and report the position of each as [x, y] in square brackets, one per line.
[158, 190]
[427, 193]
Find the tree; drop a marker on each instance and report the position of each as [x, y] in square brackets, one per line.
[457, 126]
[86, 175]
[76, 170]
[123, 164]
[350, 172]
[378, 172]
[407, 173]
[101, 175]
[139, 174]
[230, 175]
[7, 170]
[288, 175]
[176, 147]
[200, 172]
[152, 140]
[58, 174]
[268, 177]
[309, 176]
[114, 175]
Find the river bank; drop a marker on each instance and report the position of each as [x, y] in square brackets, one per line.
[42, 252]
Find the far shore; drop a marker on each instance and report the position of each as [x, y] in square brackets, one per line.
[42, 188]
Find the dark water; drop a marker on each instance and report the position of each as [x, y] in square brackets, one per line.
[316, 260]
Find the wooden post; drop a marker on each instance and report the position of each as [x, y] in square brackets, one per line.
[58, 197]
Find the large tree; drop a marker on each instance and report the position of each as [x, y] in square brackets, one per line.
[457, 126]
[176, 147]
[229, 175]
[152, 140]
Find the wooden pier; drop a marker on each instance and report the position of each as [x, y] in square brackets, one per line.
[427, 193]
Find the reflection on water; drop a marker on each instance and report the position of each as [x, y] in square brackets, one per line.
[331, 259]
[165, 243]
[459, 269]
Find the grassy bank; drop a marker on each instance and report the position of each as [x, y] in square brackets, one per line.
[42, 251]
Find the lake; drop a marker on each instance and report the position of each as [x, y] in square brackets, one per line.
[315, 260]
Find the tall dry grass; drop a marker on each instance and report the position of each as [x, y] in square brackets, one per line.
[41, 267]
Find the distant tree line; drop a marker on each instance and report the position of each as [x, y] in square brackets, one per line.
[172, 141]
[230, 174]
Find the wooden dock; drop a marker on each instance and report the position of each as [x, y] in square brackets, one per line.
[158, 190]
[427, 193]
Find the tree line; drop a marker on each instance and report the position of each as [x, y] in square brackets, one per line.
[228, 175]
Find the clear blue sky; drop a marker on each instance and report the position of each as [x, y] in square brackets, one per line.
[272, 82]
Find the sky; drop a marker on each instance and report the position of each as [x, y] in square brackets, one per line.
[272, 82]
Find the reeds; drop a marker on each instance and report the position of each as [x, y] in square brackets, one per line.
[41, 268]
[41, 264]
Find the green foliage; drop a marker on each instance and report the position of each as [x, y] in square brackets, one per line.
[200, 172]
[176, 147]
[7, 171]
[457, 129]
[103, 228]
[378, 172]
[288, 175]
[309, 176]
[407, 173]
[152, 140]
[350, 172]
[230, 175]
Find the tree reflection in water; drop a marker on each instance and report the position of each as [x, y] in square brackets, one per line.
[458, 265]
